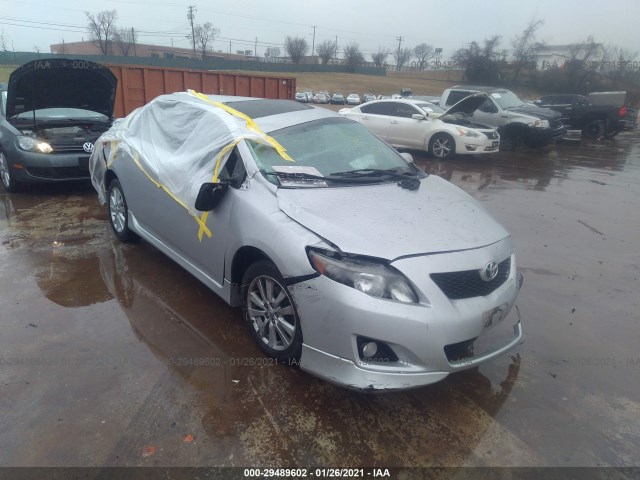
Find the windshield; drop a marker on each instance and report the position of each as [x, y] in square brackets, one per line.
[54, 114]
[507, 99]
[330, 146]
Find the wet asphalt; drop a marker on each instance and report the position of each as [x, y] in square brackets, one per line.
[111, 354]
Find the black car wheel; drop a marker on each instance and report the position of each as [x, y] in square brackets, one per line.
[119, 213]
[593, 129]
[9, 182]
[270, 312]
[442, 146]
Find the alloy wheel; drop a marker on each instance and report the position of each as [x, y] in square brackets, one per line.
[117, 210]
[270, 310]
[5, 174]
[442, 147]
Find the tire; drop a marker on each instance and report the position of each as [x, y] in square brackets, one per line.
[274, 324]
[10, 184]
[119, 213]
[442, 146]
[594, 129]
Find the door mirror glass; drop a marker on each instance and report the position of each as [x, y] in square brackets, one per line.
[210, 195]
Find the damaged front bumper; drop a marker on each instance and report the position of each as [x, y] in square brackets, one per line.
[335, 319]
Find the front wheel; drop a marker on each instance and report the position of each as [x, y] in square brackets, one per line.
[270, 312]
[442, 146]
[10, 183]
[119, 213]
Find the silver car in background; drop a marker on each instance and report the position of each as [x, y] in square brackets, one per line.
[346, 259]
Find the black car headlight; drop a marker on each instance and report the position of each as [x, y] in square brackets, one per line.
[31, 144]
[373, 278]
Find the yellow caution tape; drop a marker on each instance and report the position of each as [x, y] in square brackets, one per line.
[251, 124]
[203, 228]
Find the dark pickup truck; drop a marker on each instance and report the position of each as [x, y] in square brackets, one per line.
[595, 121]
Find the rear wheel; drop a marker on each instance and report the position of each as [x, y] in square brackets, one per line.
[442, 146]
[270, 312]
[119, 213]
[593, 129]
[9, 182]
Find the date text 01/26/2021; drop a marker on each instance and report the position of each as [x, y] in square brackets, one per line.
[317, 472]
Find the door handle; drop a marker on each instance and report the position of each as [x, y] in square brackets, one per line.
[365, 117]
[394, 122]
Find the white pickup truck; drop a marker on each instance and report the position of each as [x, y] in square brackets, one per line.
[516, 120]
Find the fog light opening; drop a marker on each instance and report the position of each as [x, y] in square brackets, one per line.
[375, 351]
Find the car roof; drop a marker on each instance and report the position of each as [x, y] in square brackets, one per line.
[272, 114]
[480, 88]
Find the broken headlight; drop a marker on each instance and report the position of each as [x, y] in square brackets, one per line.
[374, 279]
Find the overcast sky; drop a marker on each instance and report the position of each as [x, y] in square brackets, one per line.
[372, 23]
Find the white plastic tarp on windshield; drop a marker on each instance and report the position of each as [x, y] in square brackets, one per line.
[177, 140]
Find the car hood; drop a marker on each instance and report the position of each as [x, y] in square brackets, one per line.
[468, 105]
[61, 83]
[535, 111]
[387, 221]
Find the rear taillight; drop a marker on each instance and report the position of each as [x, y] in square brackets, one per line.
[622, 112]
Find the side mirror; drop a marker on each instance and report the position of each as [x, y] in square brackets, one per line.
[418, 116]
[537, 102]
[210, 195]
[407, 157]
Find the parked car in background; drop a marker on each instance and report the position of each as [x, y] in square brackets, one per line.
[368, 97]
[515, 120]
[309, 96]
[414, 124]
[353, 99]
[321, 98]
[302, 97]
[337, 99]
[295, 238]
[52, 112]
[427, 98]
[578, 113]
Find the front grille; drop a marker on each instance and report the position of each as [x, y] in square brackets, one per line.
[468, 283]
[491, 135]
[58, 173]
[555, 123]
[69, 148]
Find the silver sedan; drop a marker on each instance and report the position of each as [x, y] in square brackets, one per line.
[346, 259]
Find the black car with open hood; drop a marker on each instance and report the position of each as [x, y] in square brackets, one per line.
[53, 110]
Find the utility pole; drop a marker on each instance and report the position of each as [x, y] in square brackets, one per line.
[255, 50]
[192, 8]
[313, 44]
[336, 51]
[133, 40]
[229, 46]
[398, 56]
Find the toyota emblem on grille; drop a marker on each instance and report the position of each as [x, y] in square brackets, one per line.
[489, 272]
[88, 147]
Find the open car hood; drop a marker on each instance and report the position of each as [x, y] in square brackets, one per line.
[468, 105]
[61, 83]
[387, 221]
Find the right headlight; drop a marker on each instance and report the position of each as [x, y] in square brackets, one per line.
[31, 144]
[374, 279]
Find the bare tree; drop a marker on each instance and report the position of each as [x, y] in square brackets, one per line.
[352, 55]
[524, 46]
[402, 56]
[296, 48]
[3, 41]
[272, 52]
[124, 39]
[102, 28]
[380, 56]
[205, 35]
[480, 63]
[423, 53]
[325, 51]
